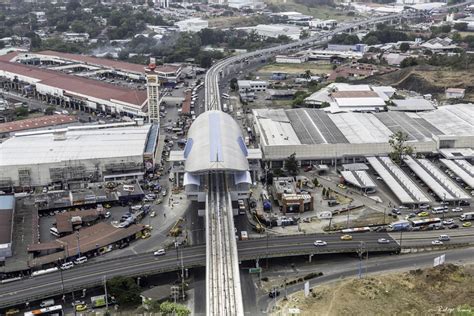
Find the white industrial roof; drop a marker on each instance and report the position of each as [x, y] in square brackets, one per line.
[215, 142]
[441, 185]
[462, 169]
[403, 187]
[412, 104]
[351, 87]
[276, 128]
[361, 128]
[454, 119]
[358, 178]
[360, 102]
[78, 144]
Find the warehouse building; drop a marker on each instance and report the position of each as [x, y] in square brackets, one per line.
[76, 154]
[317, 137]
[36, 123]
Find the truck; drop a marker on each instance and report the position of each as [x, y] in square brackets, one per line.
[99, 301]
[467, 216]
[400, 225]
[244, 235]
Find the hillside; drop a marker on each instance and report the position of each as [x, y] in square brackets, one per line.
[440, 290]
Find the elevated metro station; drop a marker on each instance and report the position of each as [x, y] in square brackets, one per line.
[215, 144]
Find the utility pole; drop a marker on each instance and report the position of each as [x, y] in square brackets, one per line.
[78, 245]
[401, 238]
[182, 275]
[267, 247]
[106, 295]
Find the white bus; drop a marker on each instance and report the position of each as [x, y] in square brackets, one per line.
[51, 310]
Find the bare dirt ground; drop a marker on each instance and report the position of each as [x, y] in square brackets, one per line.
[426, 79]
[443, 290]
[297, 68]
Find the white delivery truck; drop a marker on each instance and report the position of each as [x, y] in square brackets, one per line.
[467, 216]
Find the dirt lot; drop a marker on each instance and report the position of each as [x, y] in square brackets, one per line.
[297, 68]
[433, 291]
[425, 79]
[321, 12]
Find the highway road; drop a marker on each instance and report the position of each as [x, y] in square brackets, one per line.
[92, 273]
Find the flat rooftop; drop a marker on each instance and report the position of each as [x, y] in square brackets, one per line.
[312, 126]
[37, 122]
[462, 169]
[97, 142]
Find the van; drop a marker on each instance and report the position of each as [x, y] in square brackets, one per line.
[67, 265]
[47, 303]
[80, 260]
[54, 231]
[443, 238]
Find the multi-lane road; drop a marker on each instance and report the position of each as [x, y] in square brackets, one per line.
[92, 273]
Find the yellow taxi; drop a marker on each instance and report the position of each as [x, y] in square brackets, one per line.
[81, 307]
[423, 214]
[346, 237]
[467, 224]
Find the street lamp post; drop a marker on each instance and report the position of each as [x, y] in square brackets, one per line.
[78, 245]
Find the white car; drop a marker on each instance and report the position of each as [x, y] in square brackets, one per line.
[108, 214]
[383, 241]
[448, 222]
[457, 209]
[320, 243]
[436, 242]
[160, 252]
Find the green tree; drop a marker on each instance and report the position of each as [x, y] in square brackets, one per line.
[316, 182]
[462, 27]
[291, 165]
[78, 26]
[408, 62]
[404, 47]
[125, 290]
[233, 84]
[399, 147]
[169, 308]
[21, 112]
[49, 110]
[307, 74]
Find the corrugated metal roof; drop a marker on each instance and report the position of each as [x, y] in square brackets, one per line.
[37, 122]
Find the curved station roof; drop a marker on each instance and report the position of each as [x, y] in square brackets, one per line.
[215, 143]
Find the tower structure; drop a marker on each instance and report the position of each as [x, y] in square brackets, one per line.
[152, 87]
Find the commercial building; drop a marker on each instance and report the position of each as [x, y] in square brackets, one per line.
[455, 93]
[192, 25]
[7, 210]
[36, 123]
[291, 59]
[276, 30]
[316, 136]
[252, 85]
[75, 154]
[342, 97]
[69, 91]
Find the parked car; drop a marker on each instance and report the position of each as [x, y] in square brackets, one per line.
[153, 214]
[108, 214]
[423, 214]
[342, 186]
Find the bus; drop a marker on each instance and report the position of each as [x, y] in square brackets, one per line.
[356, 230]
[56, 310]
[45, 271]
[426, 222]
